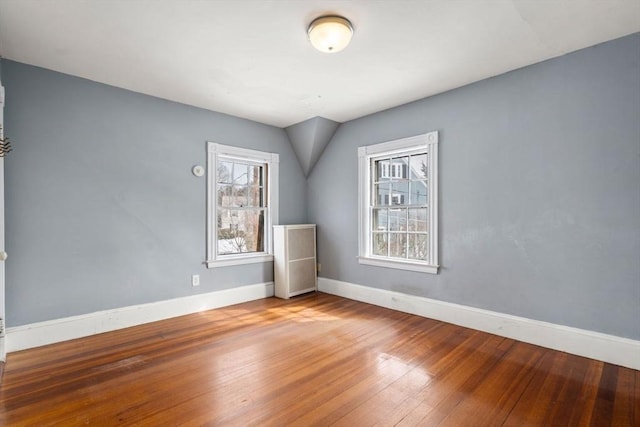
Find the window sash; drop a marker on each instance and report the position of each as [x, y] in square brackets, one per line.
[385, 171]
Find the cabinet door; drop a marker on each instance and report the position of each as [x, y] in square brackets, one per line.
[302, 275]
[302, 243]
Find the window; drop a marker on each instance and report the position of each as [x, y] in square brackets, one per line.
[398, 192]
[241, 206]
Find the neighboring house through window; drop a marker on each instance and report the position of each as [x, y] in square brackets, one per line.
[241, 205]
[398, 192]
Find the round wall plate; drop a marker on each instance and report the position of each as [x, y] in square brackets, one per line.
[197, 170]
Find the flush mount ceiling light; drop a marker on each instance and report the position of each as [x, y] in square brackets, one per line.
[330, 34]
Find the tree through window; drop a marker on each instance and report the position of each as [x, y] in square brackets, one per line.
[242, 204]
[241, 207]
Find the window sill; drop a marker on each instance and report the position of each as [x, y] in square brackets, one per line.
[238, 260]
[399, 265]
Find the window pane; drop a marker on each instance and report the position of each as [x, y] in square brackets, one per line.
[224, 195]
[418, 246]
[255, 196]
[382, 194]
[397, 245]
[240, 196]
[252, 224]
[397, 219]
[240, 231]
[382, 170]
[419, 194]
[255, 175]
[400, 193]
[379, 244]
[418, 219]
[400, 168]
[419, 166]
[380, 219]
[224, 172]
[230, 238]
[240, 173]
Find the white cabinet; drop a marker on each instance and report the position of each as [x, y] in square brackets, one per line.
[294, 263]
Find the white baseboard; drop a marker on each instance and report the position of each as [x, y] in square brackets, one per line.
[594, 345]
[52, 331]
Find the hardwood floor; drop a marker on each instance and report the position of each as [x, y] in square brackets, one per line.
[314, 360]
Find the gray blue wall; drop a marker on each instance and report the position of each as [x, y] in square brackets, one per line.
[102, 210]
[539, 186]
[539, 192]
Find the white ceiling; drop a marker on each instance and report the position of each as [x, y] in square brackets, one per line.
[251, 58]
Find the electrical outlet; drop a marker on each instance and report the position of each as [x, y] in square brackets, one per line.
[319, 267]
[195, 280]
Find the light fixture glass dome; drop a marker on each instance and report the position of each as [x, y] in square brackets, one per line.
[330, 34]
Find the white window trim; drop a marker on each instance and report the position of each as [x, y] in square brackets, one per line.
[427, 142]
[215, 150]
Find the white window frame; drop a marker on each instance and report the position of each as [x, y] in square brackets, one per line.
[426, 142]
[214, 152]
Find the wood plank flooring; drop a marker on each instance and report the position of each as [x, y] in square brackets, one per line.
[316, 360]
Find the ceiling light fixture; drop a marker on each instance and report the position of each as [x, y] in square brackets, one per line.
[330, 34]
